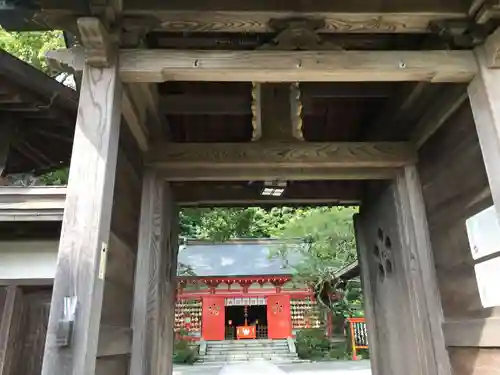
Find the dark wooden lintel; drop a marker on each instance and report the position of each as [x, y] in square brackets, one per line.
[304, 193]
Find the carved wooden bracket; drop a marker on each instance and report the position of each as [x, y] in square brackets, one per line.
[256, 112]
[298, 34]
[100, 45]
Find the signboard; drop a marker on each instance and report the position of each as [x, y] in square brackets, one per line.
[246, 332]
[488, 280]
[247, 301]
[483, 230]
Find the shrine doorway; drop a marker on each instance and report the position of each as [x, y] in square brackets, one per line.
[238, 316]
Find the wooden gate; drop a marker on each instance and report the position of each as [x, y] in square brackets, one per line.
[278, 317]
[213, 318]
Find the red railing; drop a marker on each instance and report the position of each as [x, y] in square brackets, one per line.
[358, 334]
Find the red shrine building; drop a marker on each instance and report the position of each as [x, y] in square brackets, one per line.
[234, 290]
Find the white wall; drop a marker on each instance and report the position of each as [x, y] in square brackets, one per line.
[28, 262]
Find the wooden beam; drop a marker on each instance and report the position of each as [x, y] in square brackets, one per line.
[268, 160]
[256, 111]
[283, 154]
[439, 112]
[11, 321]
[225, 194]
[484, 96]
[195, 104]
[255, 21]
[395, 110]
[134, 120]
[86, 224]
[154, 298]
[346, 90]
[492, 50]
[293, 66]
[276, 112]
[35, 203]
[481, 333]
[288, 66]
[150, 101]
[187, 104]
[214, 173]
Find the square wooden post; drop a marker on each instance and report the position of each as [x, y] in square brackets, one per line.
[85, 231]
[11, 319]
[484, 95]
[154, 300]
[402, 304]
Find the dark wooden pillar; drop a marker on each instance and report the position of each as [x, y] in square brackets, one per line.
[402, 303]
[154, 302]
[6, 131]
[85, 231]
[11, 315]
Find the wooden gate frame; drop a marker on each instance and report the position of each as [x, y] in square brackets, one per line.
[86, 225]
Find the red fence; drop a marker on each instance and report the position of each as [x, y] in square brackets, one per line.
[358, 334]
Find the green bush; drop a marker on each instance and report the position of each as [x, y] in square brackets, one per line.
[184, 353]
[312, 343]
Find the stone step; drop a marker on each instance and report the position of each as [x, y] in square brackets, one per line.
[234, 357]
[254, 351]
[258, 341]
[247, 344]
[236, 347]
[222, 363]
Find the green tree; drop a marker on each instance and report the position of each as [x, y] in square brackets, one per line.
[220, 224]
[31, 47]
[329, 244]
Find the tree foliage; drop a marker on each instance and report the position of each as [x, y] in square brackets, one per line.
[329, 245]
[32, 46]
[220, 224]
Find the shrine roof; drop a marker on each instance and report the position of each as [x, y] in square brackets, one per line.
[236, 258]
[40, 112]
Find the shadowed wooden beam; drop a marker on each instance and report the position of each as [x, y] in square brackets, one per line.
[257, 21]
[213, 173]
[346, 90]
[395, 110]
[292, 160]
[134, 120]
[276, 115]
[287, 66]
[188, 104]
[195, 104]
[439, 112]
[225, 194]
